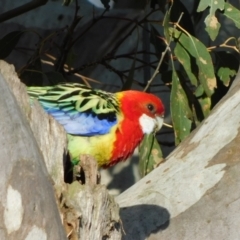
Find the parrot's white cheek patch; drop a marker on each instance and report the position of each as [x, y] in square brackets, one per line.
[149, 124]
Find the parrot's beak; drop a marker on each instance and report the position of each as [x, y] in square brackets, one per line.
[159, 122]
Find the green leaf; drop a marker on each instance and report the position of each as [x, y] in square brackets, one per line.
[166, 27]
[232, 13]
[225, 75]
[180, 111]
[205, 103]
[8, 43]
[150, 154]
[212, 24]
[203, 59]
[226, 66]
[184, 59]
[199, 91]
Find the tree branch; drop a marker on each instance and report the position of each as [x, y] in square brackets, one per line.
[22, 9]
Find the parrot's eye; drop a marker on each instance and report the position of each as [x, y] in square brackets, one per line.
[150, 107]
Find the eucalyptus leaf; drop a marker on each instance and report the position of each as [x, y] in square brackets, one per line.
[225, 75]
[150, 154]
[232, 13]
[205, 105]
[212, 24]
[184, 58]
[166, 21]
[199, 51]
[180, 110]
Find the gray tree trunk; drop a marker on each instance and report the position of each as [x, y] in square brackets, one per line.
[28, 207]
[35, 201]
[195, 193]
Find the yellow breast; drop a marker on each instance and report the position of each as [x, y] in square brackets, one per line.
[100, 146]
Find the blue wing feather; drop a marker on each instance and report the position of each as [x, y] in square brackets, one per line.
[76, 122]
[81, 123]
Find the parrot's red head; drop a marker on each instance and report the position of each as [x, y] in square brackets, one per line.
[144, 109]
[142, 114]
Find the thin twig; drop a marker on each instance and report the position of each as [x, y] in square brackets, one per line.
[131, 31]
[67, 40]
[225, 44]
[87, 29]
[142, 66]
[119, 73]
[109, 58]
[162, 57]
[167, 125]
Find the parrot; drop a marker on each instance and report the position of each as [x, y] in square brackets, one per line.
[107, 126]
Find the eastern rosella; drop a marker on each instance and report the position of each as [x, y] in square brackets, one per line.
[108, 126]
